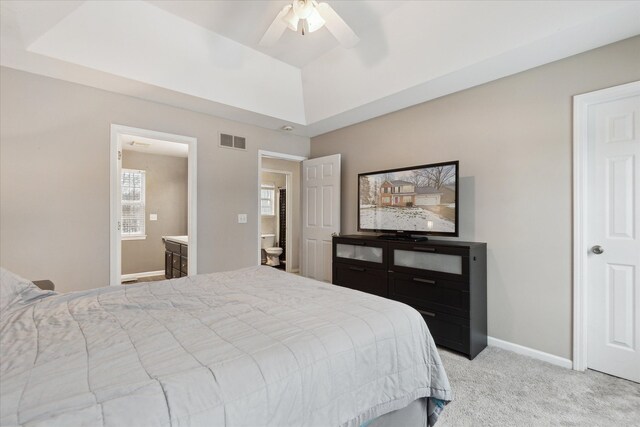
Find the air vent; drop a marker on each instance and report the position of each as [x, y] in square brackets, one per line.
[239, 142]
[226, 140]
[232, 141]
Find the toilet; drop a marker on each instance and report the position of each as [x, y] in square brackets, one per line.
[273, 252]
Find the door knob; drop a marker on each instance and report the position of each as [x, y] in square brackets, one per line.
[597, 249]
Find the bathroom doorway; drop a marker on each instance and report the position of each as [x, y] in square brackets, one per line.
[279, 231]
[153, 205]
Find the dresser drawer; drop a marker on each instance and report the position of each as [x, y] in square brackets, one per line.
[184, 250]
[362, 253]
[443, 262]
[436, 294]
[184, 264]
[363, 279]
[448, 331]
[172, 247]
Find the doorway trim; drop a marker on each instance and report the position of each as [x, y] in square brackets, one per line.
[115, 241]
[581, 132]
[289, 175]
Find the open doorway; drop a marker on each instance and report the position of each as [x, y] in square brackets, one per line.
[279, 228]
[153, 211]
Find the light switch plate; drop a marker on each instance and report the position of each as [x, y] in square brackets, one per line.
[153, 217]
[242, 218]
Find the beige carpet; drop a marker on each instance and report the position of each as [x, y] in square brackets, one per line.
[501, 388]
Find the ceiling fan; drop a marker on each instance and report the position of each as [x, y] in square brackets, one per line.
[314, 16]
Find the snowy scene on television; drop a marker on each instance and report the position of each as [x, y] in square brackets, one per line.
[421, 199]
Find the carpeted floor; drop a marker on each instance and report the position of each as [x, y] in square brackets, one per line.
[501, 388]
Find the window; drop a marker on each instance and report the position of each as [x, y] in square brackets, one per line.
[133, 199]
[267, 199]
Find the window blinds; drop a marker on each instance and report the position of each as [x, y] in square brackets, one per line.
[133, 202]
[267, 199]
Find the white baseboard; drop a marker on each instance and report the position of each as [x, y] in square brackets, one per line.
[530, 352]
[136, 276]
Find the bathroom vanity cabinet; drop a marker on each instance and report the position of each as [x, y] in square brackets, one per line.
[176, 256]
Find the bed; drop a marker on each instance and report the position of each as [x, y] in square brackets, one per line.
[249, 347]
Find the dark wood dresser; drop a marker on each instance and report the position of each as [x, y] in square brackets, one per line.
[445, 281]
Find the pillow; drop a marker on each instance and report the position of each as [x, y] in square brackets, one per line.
[16, 290]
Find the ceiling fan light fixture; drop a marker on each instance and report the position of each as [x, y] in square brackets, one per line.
[303, 8]
[314, 21]
[314, 16]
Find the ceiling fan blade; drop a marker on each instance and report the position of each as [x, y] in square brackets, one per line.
[275, 30]
[336, 25]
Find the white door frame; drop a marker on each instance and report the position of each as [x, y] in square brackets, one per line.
[115, 263]
[279, 156]
[581, 104]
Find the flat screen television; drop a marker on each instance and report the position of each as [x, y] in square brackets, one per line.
[416, 200]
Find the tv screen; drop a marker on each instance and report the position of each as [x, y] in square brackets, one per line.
[412, 200]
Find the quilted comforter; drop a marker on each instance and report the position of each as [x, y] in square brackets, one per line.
[250, 347]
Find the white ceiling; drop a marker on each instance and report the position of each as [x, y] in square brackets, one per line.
[204, 55]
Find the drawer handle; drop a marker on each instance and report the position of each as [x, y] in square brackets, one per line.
[417, 279]
[419, 248]
[427, 313]
[357, 269]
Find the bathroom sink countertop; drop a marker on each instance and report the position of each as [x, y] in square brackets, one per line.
[183, 240]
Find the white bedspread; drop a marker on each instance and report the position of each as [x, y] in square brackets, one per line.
[250, 347]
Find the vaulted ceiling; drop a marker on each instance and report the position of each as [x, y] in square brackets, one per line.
[204, 55]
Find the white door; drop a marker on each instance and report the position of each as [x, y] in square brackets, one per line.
[320, 214]
[613, 227]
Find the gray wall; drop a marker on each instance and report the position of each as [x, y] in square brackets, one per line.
[513, 140]
[296, 214]
[165, 195]
[54, 178]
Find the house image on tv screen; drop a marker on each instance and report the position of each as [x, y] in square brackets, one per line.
[403, 193]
